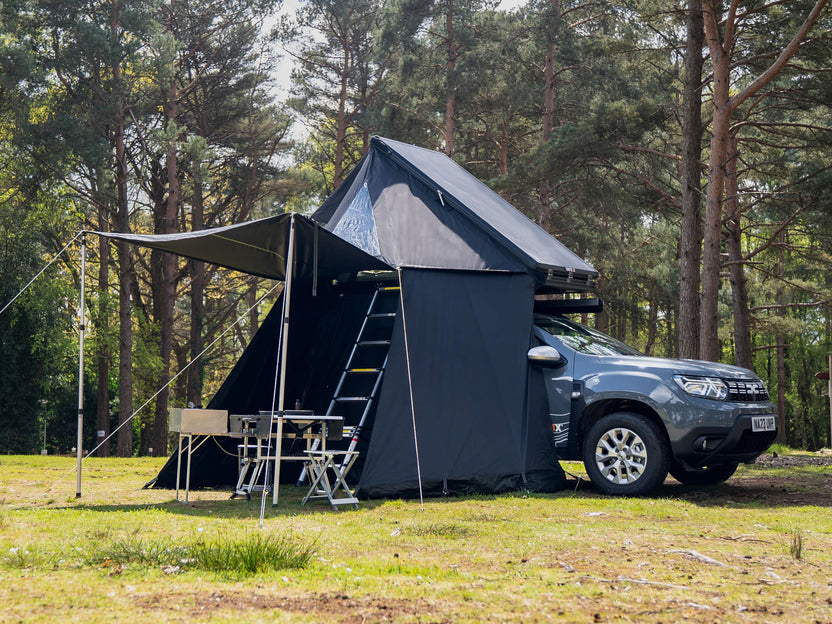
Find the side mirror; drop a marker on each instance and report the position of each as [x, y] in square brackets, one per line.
[546, 356]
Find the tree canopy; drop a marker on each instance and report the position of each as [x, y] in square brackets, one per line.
[683, 149]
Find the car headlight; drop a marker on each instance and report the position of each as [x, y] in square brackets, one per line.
[705, 387]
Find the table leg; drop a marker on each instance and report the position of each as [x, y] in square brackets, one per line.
[278, 453]
[178, 466]
[188, 470]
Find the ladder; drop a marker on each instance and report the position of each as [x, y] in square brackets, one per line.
[365, 366]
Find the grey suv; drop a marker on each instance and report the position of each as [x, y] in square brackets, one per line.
[632, 418]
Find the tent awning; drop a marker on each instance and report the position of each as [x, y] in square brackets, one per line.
[260, 248]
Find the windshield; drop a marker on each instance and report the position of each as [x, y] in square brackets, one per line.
[582, 338]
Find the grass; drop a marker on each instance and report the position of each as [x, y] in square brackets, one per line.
[251, 554]
[758, 548]
[796, 544]
[242, 555]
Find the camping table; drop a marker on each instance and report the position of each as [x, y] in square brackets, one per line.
[189, 422]
[256, 447]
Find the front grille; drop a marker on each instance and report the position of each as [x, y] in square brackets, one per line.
[746, 390]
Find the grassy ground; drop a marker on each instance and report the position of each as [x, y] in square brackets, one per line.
[758, 548]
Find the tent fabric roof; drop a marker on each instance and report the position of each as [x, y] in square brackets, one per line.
[259, 247]
[414, 207]
[402, 206]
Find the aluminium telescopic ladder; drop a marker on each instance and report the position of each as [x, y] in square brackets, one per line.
[365, 365]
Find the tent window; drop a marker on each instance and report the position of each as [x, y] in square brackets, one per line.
[357, 225]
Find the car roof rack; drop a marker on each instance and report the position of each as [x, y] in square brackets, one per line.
[568, 306]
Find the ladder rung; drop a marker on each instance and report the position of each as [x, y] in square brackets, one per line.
[382, 315]
[388, 288]
[353, 399]
[366, 343]
[363, 370]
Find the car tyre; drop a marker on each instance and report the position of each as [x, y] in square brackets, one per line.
[708, 475]
[625, 454]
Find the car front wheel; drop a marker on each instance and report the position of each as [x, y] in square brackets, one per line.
[625, 454]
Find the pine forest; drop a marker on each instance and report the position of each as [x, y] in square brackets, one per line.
[684, 149]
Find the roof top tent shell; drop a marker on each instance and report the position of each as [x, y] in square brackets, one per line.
[470, 265]
[413, 207]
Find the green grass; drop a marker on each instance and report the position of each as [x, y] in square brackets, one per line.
[781, 449]
[758, 548]
[253, 553]
[796, 544]
[243, 555]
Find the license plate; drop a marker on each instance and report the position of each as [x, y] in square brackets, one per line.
[763, 423]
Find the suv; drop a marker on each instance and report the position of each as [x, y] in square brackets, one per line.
[632, 418]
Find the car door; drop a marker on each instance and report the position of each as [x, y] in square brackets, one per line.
[558, 382]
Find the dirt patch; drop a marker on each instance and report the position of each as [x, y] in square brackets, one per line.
[774, 480]
[332, 607]
[790, 461]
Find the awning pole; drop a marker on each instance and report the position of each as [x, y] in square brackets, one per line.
[284, 341]
[79, 446]
[281, 401]
[410, 387]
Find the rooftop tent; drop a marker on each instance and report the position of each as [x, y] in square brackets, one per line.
[470, 264]
[456, 386]
[413, 207]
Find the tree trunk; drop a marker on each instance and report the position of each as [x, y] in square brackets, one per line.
[724, 104]
[781, 389]
[544, 189]
[125, 342]
[709, 321]
[782, 373]
[504, 143]
[341, 121]
[195, 372]
[450, 102]
[197, 270]
[690, 248]
[739, 293]
[125, 266]
[652, 327]
[102, 417]
[164, 288]
[253, 313]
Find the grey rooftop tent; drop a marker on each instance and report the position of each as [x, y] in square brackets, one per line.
[458, 408]
[417, 208]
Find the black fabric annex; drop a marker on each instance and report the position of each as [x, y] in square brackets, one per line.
[467, 338]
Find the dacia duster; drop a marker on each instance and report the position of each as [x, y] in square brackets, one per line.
[632, 419]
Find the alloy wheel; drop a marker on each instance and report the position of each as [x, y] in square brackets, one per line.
[621, 455]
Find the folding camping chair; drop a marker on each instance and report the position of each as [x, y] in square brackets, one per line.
[328, 470]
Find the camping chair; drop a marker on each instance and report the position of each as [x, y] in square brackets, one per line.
[329, 469]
